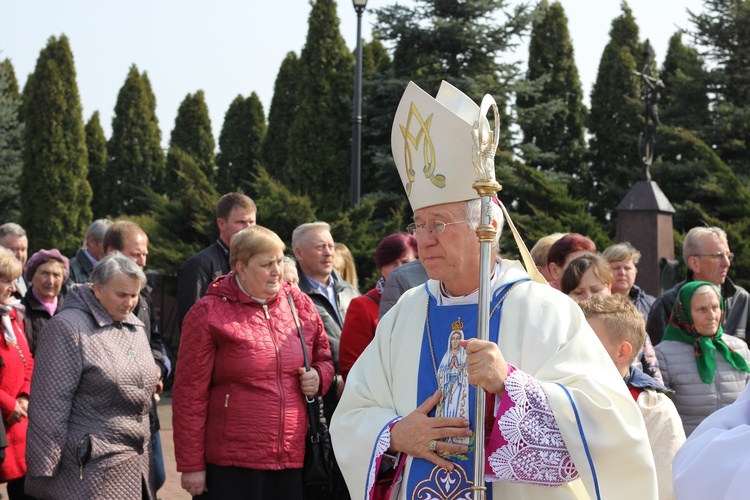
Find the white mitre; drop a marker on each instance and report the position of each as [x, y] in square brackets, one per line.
[432, 145]
[435, 143]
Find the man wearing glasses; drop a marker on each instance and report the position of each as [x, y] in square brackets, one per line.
[707, 256]
[405, 425]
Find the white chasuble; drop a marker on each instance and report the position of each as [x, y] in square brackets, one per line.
[564, 400]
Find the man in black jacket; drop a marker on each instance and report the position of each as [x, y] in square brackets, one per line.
[234, 212]
[707, 256]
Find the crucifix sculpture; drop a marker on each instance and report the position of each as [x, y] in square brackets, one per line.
[650, 89]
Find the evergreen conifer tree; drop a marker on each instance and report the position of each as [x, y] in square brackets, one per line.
[240, 143]
[616, 119]
[181, 224]
[704, 190]
[135, 157]
[280, 115]
[459, 42]
[96, 145]
[319, 141]
[375, 57]
[553, 117]
[721, 32]
[55, 207]
[536, 216]
[380, 94]
[11, 143]
[274, 200]
[197, 198]
[192, 135]
[684, 99]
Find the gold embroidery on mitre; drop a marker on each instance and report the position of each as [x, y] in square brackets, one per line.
[428, 149]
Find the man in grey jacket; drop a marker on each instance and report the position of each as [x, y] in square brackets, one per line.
[401, 279]
[314, 250]
[707, 256]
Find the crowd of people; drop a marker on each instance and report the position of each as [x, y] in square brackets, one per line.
[595, 389]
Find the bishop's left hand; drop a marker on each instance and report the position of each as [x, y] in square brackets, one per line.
[486, 365]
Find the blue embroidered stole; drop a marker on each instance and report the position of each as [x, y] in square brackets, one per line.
[446, 362]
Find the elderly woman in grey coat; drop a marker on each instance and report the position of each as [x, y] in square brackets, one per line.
[88, 414]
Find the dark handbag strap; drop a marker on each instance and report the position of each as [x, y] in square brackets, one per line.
[313, 407]
[374, 299]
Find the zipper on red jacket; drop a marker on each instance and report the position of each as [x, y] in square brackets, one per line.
[278, 382]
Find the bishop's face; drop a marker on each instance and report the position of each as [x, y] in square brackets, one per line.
[453, 255]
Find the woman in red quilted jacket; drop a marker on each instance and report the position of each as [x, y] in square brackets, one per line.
[16, 366]
[238, 399]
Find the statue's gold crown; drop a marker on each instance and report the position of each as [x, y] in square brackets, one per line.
[457, 325]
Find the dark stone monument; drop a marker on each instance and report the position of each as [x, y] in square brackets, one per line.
[645, 214]
[644, 218]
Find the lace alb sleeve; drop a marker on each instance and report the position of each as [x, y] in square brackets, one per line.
[525, 445]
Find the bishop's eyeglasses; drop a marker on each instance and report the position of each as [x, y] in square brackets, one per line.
[435, 226]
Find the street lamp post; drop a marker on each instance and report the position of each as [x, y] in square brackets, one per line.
[359, 7]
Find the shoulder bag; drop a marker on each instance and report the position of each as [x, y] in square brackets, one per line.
[316, 472]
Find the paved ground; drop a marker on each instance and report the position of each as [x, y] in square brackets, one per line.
[171, 489]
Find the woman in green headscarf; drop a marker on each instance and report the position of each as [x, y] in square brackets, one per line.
[706, 368]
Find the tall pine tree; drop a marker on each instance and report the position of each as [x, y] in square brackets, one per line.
[616, 119]
[460, 42]
[240, 144]
[722, 31]
[11, 143]
[684, 99]
[192, 136]
[136, 159]
[319, 142]
[455, 41]
[56, 194]
[280, 115]
[552, 116]
[96, 144]
[537, 216]
[380, 97]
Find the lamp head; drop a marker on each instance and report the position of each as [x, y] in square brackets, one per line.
[359, 5]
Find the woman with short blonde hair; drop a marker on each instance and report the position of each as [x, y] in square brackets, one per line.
[251, 241]
[241, 362]
[10, 267]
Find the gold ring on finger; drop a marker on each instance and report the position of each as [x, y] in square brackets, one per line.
[433, 444]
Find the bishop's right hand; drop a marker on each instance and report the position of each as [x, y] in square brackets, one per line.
[413, 434]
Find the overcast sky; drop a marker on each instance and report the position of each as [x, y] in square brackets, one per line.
[231, 47]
